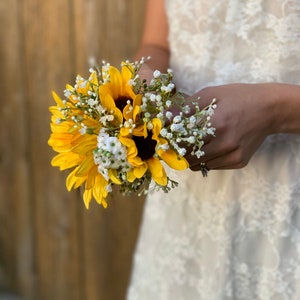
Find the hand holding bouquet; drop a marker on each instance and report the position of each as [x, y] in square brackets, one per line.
[114, 128]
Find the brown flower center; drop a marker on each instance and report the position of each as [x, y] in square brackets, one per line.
[145, 146]
[121, 102]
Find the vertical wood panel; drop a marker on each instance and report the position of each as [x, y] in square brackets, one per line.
[112, 32]
[50, 246]
[48, 65]
[16, 237]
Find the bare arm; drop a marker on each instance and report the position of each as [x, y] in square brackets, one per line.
[155, 37]
[287, 113]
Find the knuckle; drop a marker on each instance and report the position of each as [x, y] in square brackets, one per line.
[240, 160]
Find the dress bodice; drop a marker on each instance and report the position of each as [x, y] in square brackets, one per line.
[228, 41]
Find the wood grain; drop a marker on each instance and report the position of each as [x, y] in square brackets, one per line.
[108, 234]
[16, 230]
[51, 247]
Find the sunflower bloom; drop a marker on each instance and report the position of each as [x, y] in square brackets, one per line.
[151, 159]
[76, 151]
[116, 93]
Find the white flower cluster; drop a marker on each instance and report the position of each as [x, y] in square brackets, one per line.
[190, 130]
[181, 129]
[110, 154]
[88, 103]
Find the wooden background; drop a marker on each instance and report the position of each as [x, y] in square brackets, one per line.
[51, 247]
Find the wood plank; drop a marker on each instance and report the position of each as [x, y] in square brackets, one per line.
[111, 32]
[107, 30]
[16, 239]
[50, 246]
[48, 65]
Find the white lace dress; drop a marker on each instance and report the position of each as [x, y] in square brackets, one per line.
[236, 233]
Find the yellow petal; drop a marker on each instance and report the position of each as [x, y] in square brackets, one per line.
[85, 144]
[87, 197]
[157, 125]
[115, 83]
[106, 97]
[135, 161]
[127, 71]
[136, 112]
[73, 181]
[104, 203]
[85, 166]
[140, 170]
[127, 74]
[113, 175]
[130, 176]
[66, 160]
[93, 80]
[127, 113]
[173, 160]
[99, 190]
[133, 114]
[56, 113]
[69, 87]
[57, 99]
[158, 172]
[140, 131]
[145, 130]
[107, 100]
[124, 131]
[82, 85]
[90, 178]
[137, 100]
[130, 145]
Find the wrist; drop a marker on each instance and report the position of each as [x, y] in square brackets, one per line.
[284, 107]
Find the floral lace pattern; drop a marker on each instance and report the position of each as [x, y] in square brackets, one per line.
[202, 54]
[236, 233]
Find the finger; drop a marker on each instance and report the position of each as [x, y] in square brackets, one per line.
[195, 161]
[217, 150]
[199, 167]
[232, 160]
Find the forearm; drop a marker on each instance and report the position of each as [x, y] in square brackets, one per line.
[154, 42]
[286, 112]
[159, 56]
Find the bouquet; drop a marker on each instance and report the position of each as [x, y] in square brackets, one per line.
[115, 128]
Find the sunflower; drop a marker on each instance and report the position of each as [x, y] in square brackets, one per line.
[117, 95]
[145, 147]
[76, 151]
[146, 150]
